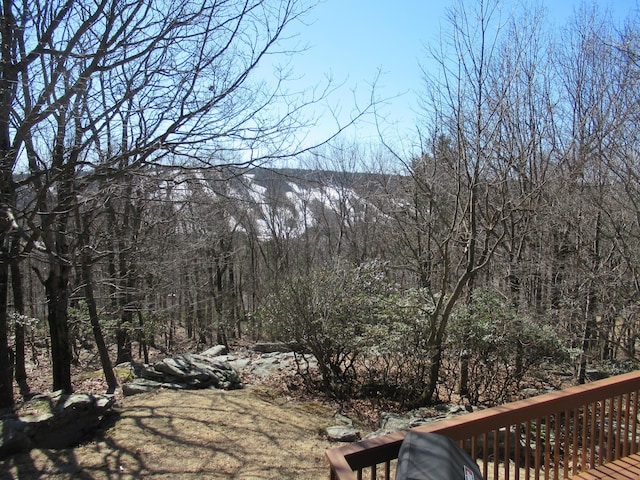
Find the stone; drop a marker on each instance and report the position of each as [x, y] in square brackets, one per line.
[13, 438]
[238, 363]
[393, 422]
[342, 433]
[343, 419]
[139, 385]
[54, 421]
[150, 373]
[275, 347]
[215, 351]
[529, 392]
[269, 363]
[77, 401]
[595, 374]
[103, 403]
[191, 371]
[177, 367]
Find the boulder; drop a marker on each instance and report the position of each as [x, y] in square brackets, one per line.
[275, 347]
[237, 362]
[342, 433]
[215, 351]
[343, 419]
[392, 422]
[142, 385]
[54, 420]
[13, 438]
[190, 371]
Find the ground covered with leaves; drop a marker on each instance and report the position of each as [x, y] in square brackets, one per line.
[253, 433]
[272, 429]
[269, 430]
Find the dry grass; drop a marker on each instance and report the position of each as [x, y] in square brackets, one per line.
[254, 433]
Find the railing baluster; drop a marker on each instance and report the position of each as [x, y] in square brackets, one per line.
[618, 434]
[634, 424]
[566, 443]
[556, 444]
[507, 450]
[610, 447]
[527, 458]
[627, 426]
[496, 453]
[474, 447]
[538, 448]
[485, 454]
[601, 437]
[584, 443]
[596, 432]
[574, 446]
[517, 450]
[582, 422]
[547, 446]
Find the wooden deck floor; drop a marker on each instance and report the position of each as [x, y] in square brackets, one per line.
[626, 468]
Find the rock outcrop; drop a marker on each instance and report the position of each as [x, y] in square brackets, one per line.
[275, 347]
[393, 422]
[213, 368]
[188, 371]
[262, 365]
[54, 420]
[389, 422]
[343, 432]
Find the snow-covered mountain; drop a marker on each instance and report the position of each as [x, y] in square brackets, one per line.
[285, 202]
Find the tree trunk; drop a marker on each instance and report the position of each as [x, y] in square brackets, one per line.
[18, 305]
[587, 338]
[8, 82]
[142, 338]
[428, 395]
[463, 388]
[591, 303]
[6, 363]
[56, 286]
[123, 338]
[123, 332]
[103, 351]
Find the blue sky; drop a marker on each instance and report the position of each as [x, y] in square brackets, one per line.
[353, 40]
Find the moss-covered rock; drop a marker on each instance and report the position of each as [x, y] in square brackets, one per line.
[54, 420]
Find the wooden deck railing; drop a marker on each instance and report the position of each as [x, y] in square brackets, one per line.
[556, 435]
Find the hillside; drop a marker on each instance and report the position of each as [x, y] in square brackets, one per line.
[272, 203]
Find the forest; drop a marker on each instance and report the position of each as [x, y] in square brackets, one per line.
[142, 197]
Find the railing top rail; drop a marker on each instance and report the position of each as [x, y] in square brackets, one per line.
[360, 454]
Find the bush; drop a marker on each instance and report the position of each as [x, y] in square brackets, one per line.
[365, 334]
[497, 347]
[395, 360]
[323, 312]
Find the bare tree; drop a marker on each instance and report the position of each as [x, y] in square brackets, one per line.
[94, 91]
[460, 195]
[601, 101]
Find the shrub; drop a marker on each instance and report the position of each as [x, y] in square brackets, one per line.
[324, 312]
[366, 335]
[395, 360]
[498, 347]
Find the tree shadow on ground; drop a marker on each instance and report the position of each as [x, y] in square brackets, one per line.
[205, 434]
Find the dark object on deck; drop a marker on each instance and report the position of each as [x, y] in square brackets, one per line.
[429, 456]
